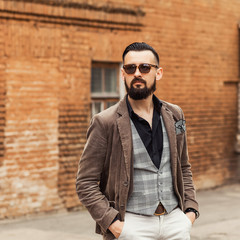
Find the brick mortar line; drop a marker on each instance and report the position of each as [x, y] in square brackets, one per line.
[87, 6]
[23, 16]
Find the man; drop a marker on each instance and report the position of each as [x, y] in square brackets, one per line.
[134, 176]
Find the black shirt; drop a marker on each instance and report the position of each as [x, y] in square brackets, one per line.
[152, 138]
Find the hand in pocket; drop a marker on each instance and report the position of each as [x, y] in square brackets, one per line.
[116, 228]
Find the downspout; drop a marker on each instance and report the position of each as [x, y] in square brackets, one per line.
[237, 145]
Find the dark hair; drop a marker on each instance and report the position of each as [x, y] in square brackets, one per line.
[140, 46]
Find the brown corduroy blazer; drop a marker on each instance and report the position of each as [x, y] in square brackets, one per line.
[104, 179]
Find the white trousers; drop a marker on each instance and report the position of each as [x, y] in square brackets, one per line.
[173, 226]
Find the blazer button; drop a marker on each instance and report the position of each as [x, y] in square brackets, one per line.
[125, 183]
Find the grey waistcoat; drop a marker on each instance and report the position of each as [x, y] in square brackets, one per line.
[151, 185]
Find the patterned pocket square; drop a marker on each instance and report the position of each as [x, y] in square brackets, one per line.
[180, 126]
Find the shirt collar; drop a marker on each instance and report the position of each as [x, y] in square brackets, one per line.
[157, 106]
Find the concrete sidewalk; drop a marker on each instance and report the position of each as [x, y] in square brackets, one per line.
[219, 220]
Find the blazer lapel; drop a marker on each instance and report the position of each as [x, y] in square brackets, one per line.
[170, 128]
[124, 127]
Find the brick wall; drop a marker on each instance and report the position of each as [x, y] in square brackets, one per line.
[46, 50]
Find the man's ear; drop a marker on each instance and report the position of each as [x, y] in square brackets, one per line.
[122, 74]
[159, 73]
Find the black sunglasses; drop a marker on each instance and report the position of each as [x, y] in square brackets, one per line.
[143, 68]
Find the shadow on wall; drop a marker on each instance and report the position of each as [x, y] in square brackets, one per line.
[73, 124]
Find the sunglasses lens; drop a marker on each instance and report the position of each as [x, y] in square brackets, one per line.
[144, 68]
[130, 69]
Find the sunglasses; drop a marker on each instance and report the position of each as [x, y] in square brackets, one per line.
[143, 68]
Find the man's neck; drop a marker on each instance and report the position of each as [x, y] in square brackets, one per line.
[142, 106]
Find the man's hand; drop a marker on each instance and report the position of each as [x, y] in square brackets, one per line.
[191, 216]
[116, 228]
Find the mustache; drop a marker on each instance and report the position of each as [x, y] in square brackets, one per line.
[136, 79]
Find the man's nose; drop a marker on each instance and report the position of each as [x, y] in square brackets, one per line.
[137, 73]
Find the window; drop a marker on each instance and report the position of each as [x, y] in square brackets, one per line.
[104, 85]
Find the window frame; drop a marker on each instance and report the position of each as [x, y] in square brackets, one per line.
[103, 96]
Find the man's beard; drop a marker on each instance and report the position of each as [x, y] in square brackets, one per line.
[140, 93]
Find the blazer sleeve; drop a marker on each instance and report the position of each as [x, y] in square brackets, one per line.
[89, 173]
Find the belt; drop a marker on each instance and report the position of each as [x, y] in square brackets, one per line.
[160, 210]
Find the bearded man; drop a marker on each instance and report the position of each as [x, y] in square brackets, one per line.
[134, 175]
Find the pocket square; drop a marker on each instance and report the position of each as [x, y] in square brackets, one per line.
[180, 126]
